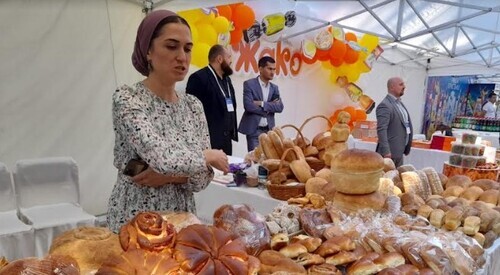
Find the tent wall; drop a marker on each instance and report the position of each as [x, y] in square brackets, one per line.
[62, 59]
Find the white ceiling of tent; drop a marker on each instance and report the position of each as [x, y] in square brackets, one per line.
[423, 33]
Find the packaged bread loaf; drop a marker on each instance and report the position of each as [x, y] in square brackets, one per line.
[486, 184]
[243, 222]
[459, 180]
[412, 183]
[434, 180]
[472, 193]
[490, 196]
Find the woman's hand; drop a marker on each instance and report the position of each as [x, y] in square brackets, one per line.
[151, 178]
[217, 159]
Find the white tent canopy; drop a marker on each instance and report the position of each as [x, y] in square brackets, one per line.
[62, 59]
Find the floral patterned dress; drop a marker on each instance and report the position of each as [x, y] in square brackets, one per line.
[171, 138]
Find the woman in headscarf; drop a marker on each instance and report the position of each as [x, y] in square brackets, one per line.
[156, 125]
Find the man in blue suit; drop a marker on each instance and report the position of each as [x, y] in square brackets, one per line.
[213, 87]
[261, 100]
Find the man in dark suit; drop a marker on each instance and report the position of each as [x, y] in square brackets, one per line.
[213, 87]
[261, 100]
[394, 128]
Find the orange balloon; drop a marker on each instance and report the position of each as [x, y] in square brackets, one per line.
[309, 60]
[338, 49]
[351, 56]
[360, 115]
[336, 61]
[225, 11]
[352, 111]
[322, 55]
[243, 17]
[236, 36]
[351, 37]
[333, 117]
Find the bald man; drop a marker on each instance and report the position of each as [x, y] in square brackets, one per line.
[394, 128]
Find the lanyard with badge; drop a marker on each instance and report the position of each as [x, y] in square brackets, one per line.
[229, 101]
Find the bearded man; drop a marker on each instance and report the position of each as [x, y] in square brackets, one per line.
[213, 87]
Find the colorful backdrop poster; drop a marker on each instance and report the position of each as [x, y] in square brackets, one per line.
[445, 97]
[477, 96]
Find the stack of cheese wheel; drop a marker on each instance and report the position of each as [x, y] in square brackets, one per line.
[357, 178]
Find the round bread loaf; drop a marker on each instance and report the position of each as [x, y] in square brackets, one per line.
[89, 246]
[353, 203]
[357, 161]
[357, 171]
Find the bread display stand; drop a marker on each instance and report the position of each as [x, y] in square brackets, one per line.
[473, 173]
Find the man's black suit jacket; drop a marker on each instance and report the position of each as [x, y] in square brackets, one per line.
[203, 85]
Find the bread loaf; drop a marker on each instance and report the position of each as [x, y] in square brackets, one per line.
[424, 211]
[472, 193]
[459, 180]
[486, 184]
[268, 147]
[437, 217]
[406, 168]
[389, 260]
[490, 196]
[353, 203]
[293, 250]
[436, 259]
[453, 218]
[412, 183]
[454, 191]
[395, 177]
[389, 165]
[426, 189]
[33, 266]
[277, 142]
[471, 225]
[342, 258]
[386, 187]
[434, 181]
[322, 140]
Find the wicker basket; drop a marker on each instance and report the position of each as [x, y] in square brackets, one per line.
[284, 192]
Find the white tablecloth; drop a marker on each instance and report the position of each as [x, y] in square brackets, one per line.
[418, 157]
[217, 194]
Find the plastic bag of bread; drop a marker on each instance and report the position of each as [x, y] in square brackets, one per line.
[461, 260]
[436, 259]
[314, 221]
[395, 177]
[180, 219]
[243, 222]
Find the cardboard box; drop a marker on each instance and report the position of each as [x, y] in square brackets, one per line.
[421, 144]
[442, 142]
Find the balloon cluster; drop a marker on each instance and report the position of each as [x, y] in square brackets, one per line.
[222, 25]
[341, 53]
[356, 115]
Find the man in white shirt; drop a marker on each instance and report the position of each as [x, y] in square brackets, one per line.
[489, 107]
[261, 100]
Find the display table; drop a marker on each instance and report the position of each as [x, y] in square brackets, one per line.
[490, 136]
[217, 194]
[418, 157]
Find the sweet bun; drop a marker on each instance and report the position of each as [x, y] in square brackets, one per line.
[133, 260]
[63, 264]
[149, 231]
[353, 203]
[293, 250]
[307, 259]
[391, 259]
[323, 269]
[453, 191]
[273, 261]
[82, 243]
[342, 258]
[279, 241]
